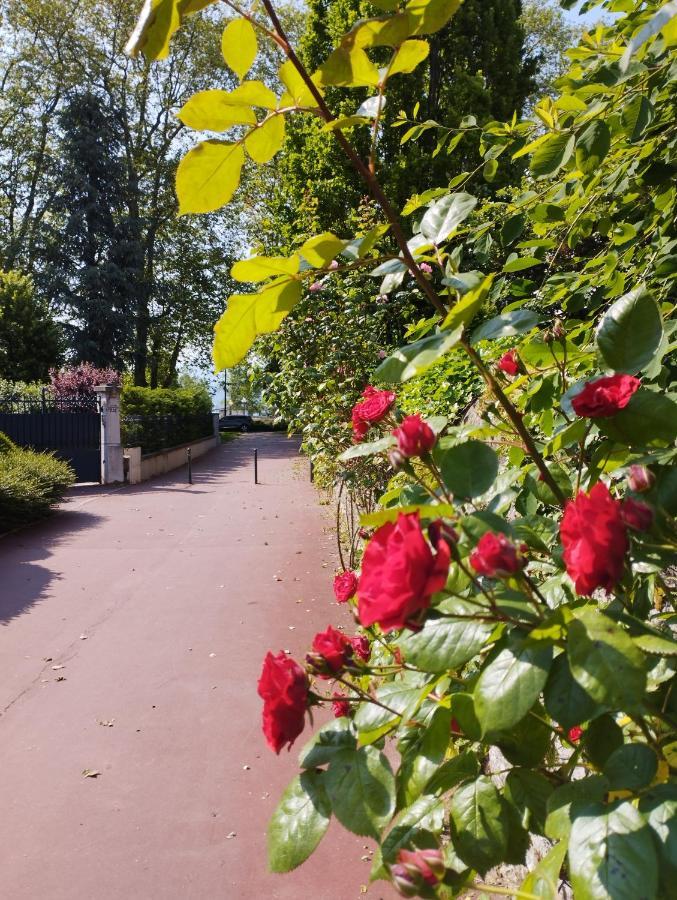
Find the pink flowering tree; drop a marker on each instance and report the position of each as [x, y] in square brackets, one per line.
[514, 645]
[77, 383]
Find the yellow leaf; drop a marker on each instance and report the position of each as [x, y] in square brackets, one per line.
[430, 15]
[322, 248]
[208, 176]
[253, 93]
[348, 67]
[249, 315]
[258, 268]
[239, 46]
[213, 111]
[264, 141]
[157, 22]
[408, 56]
[297, 89]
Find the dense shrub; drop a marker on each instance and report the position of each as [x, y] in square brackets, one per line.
[30, 484]
[77, 383]
[165, 417]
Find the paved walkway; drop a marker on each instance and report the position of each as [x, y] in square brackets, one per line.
[132, 629]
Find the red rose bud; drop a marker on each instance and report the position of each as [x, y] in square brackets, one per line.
[636, 514]
[414, 437]
[640, 479]
[496, 556]
[400, 573]
[595, 540]
[509, 363]
[333, 648]
[605, 397]
[283, 687]
[426, 864]
[375, 407]
[575, 734]
[361, 647]
[340, 706]
[345, 586]
[441, 530]
[404, 884]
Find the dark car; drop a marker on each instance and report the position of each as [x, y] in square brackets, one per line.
[236, 423]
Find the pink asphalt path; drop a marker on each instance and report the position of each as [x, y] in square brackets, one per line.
[151, 608]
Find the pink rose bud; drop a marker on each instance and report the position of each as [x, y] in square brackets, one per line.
[636, 514]
[558, 330]
[405, 885]
[316, 287]
[382, 354]
[426, 267]
[427, 865]
[333, 264]
[640, 479]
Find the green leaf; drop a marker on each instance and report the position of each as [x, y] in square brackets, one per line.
[631, 767]
[605, 661]
[212, 111]
[465, 309]
[659, 809]
[528, 791]
[368, 448]
[478, 822]
[649, 417]
[592, 145]
[239, 46]
[527, 742]
[422, 819]
[415, 358]
[558, 820]
[332, 737]
[521, 263]
[630, 332]
[208, 176]
[408, 55]
[424, 756]
[655, 24]
[636, 115]
[565, 700]
[298, 91]
[401, 696]
[510, 684]
[249, 315]
[547, 212]
[517, 321]
[468, 469]
[426, 511]
[600, 739]
[611, 854]
[445, 642]
[260, 268]
[445, 215]
[543, 880]
[552, 154]
[361, 787]
[264, 141]
[299, 822]
[253, 93]
[321, 249]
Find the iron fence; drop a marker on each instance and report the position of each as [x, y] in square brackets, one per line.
[153, 433]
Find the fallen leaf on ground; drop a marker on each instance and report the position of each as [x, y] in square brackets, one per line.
[56, 668]
[107, 723]
[90, 773]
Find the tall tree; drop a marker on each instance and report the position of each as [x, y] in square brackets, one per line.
[31, 342]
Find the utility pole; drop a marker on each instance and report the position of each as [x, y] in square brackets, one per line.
[225, 392]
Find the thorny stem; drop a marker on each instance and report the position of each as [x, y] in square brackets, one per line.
[429, 291]
[365, 696]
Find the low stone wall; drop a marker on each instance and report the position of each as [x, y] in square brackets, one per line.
[141, 468]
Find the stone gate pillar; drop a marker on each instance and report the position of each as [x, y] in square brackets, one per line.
[112, 463]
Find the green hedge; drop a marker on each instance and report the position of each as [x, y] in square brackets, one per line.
[30, 484]
[155, 419]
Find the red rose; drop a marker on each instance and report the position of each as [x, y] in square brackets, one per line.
[345, 586]
[640, 479]
[283, 687]
[372, 409]
[575, 734]
[605, 397]
[400, 573]
[440, 530]
[496, 556]
[361, 647]
[333, 647]
[340, 707]
[595, 540]
[509, 363]
[414, 437]
[636, 514]
[427, 864]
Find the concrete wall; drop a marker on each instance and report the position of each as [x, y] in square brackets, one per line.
[141, 468]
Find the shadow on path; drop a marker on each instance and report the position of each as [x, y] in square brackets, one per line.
[23, 581]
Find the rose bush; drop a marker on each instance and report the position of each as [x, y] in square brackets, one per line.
[515, 597]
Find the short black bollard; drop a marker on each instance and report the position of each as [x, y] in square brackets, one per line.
[312, 471]
[256, 466]
[189, 459]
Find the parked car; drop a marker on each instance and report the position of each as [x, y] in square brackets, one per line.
[236, 423]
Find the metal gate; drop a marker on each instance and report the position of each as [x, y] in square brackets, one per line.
[71, 428]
